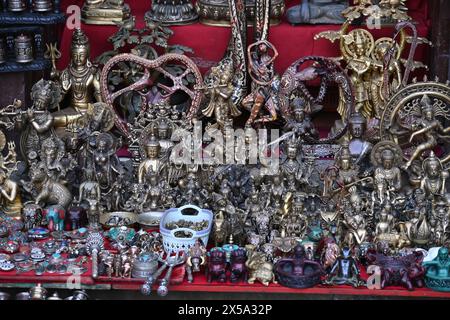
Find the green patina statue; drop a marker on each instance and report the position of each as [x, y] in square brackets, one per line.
[438, 271]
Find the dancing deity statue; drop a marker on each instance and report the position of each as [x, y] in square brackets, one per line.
[265, 85]
[429, 128]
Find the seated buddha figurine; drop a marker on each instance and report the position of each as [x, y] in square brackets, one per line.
[79, 82]
[153, 163]
[104, 12]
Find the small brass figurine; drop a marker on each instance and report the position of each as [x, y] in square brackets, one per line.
[220, 103]
[10, 200]
[265, 83]
[104, 12]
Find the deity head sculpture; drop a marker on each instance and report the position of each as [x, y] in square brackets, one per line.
[45, 95]
[80, 49]
[387, 158]
[432, 166]
[292, 148]
[359, 45]
[163, 130]
[357, 125]
[427, 108]
[152, 147]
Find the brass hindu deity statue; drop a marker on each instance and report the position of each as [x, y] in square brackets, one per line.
[10, 199]
[386, 156]
[434, 177]
[220, 93]
[104, 12]
[358, 145]
[79, 81]
[46, 96]
[429, 127]
[152, 162]
[265, 83]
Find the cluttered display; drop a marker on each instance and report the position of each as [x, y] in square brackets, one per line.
[145, 166]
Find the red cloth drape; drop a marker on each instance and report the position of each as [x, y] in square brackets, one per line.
[209, 43]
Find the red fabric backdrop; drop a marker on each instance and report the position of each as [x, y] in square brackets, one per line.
[209, 43]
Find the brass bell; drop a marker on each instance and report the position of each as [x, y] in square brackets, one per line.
[17, 5]
[42, 5]
[38, 292]
[2, 51]
[23, 48]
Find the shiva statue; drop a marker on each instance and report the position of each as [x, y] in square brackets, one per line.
[80, 81]
[345, 270]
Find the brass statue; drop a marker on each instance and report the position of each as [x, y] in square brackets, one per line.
[386, 156]
[80, 81]
[265, 83]
[10, 200]
[429, 127]
[46, 96]
[104, 12]
[220, 92]
[434, 177]
[152, 162]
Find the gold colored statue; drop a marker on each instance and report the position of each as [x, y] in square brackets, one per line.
[153, 163]
[434, 176]
[386, 156]
[10, 200]
[220, 104]
[104, 12]
[80, 81]
[429, 127]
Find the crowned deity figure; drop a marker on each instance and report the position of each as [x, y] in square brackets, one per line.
[80, 81]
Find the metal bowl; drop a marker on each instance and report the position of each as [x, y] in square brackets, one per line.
[23, 296]
[117, 219]
[4, 296]
[150, 218]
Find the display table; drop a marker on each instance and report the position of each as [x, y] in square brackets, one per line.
[200, 284]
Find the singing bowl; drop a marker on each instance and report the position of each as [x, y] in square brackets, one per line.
[105, 219]
[150, 218]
